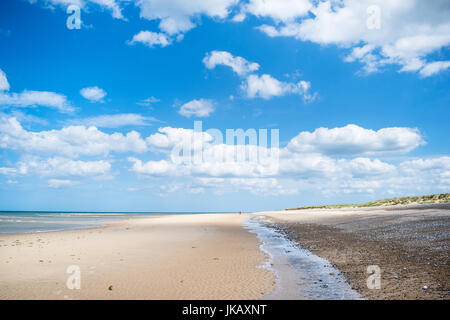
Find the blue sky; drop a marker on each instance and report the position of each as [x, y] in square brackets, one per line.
[82, 110]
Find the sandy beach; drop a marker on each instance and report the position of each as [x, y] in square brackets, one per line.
[201, 256]
[220, 256]
[409, 243]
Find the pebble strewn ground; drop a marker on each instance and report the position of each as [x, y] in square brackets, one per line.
[410, 245]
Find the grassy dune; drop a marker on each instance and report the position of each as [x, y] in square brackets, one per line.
[433, 198]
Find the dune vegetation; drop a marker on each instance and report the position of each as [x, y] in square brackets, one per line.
[433, 198]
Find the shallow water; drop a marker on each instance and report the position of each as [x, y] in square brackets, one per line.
[18, 222]
[299, 273]
[43, 221]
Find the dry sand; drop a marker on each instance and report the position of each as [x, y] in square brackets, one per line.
[203, 256]
[409, 243]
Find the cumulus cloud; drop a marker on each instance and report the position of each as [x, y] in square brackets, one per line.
[239, 65]
[167, 138]
[354, 140]
[221, 160]
[24, 117]
[288, 176]
[363, 167]
[151, 39]
[176, 17]
[434, 67]
[155, 168]
[307, 162]
[173, 26]
[115, 120]
[179, 16]
[200, 108]
[71, 141]
[59, 167]
[4, 84]
[337, 160]
[378, 33]
[266, 87]
[30, 98]
[111, 5]
[93, 94]
[439, 166]
[256, 186]
[280, 10]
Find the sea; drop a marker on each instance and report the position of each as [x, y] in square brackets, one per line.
[44, 221]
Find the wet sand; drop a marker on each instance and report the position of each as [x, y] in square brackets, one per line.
[202, 256]
[410, 244]
[299, 274]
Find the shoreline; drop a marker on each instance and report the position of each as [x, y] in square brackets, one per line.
[299, 274]
[197, 256]
[118, 217]
[100, 226]
[408, 243]
[217, 256]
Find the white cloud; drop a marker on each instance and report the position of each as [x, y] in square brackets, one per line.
[354, 140]
[151, 39]
[167, 138]
[147, 102]
[283, 10]
[59, 167]
[115, 120]
[440, 166]
[174, 187]
[93, 94]
[365, 167]
[305, 163]
[111, 5]
[408, 32]
[24, 117]
[8, 171]
[71, 141]
[30, 98]
[199, 108]
[173, 26]
[310, 161]
[155, 168]
[169, 188]
[295, 172]
[59, 183]
[4, 84]
[239, 17]
[434, 67]
[179, 16]
[212, 167]
[238, 64]
[256, 186]
[266, 87]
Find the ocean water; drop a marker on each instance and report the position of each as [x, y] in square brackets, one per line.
[34, 221]
[299, 274]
